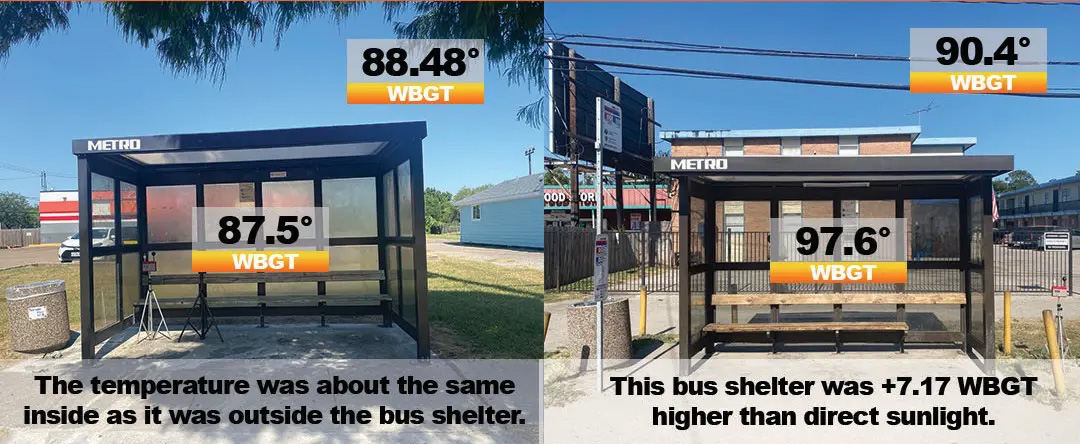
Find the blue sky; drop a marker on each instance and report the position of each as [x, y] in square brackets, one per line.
[1041, 133]
[90, 82]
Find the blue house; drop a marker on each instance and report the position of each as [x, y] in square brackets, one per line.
[509, 214]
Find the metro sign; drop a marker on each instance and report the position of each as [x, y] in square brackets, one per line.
[698, 164]
[114, 145]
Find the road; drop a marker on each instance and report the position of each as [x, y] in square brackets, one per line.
[17, 257]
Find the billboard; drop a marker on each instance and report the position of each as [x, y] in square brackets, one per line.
[573, 111]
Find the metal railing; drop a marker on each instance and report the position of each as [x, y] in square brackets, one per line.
[651, 260]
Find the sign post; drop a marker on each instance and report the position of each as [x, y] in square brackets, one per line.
[600, 283]
[608, 137]
[1056, 240]
[1064, 290]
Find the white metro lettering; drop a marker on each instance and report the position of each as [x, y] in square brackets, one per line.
[699, 164]
[114, 145]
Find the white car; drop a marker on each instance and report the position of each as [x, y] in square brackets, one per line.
[69, 248]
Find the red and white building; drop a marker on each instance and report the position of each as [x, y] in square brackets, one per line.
[59, 215]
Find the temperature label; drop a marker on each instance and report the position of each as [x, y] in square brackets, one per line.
[864, 250]
[259, 239]
[978, 60]
[418, 71]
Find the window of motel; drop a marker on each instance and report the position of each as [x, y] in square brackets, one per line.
[733, 146]
[790, 146]
[849, 146]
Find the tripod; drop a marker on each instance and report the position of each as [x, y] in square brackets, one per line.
[146, 319]
[206, 317]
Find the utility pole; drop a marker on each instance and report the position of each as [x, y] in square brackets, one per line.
[575, 190]
[44, 181]
[528, 153]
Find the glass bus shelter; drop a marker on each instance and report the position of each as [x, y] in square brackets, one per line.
[137, 194]
[945, 200]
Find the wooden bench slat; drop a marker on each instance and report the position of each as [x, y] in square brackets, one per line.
[806, 326]
[837, 298]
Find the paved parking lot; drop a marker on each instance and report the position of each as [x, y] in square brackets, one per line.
[17, 257]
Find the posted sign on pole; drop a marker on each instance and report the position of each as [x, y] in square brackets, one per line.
[1056, 240]
[600, 268]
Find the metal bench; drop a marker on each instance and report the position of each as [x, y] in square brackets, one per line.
[277, 305]
[836, 330]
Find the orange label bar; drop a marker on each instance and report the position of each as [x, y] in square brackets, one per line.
[415, 93]
[837, 272]
[223, 261]
[978, 82]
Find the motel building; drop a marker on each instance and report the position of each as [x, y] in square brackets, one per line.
[635, 206]
[1056, 203]
[929, 222]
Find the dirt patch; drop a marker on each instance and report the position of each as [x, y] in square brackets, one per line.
[511, 257]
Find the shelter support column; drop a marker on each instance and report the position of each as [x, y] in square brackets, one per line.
[86, 262]
[986, 243]
[685, 230]
[964, 247]
[423, 340]
[709, 259]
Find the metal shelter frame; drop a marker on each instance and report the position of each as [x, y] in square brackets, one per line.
[834, 178]
[115, 171]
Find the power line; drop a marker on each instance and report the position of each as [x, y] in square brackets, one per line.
[672, 46]
[709, 77]
[13, 167]
[779, 79]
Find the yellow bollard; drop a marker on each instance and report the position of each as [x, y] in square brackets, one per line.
[1007, 335]
[547, 320]
[1055, 353]
[642, 310]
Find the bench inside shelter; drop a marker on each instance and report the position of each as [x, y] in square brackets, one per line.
[265, 306]
[835, 330]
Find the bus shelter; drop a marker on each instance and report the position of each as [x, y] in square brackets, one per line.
[945, 200]
[136, 196]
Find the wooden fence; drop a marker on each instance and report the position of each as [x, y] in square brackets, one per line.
[19, 237]
[568, 253]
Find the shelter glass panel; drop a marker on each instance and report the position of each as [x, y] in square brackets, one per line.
[230, 195]
[408, 286]
[933, 229]
[391, 204]
[234, 195]
[978, 326]
[101, 207]
[405, 198]
[129, 219]
[174, 262]
[392, 281]
[293, 193]
[104, 291]
[351, 206]
[168, 213]
[131, 269]
[353, 257]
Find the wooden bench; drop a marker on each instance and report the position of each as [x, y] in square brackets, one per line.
[276, 305]
[838, 329]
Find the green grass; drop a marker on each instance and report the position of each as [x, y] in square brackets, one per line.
[449, 236]
[1029, 339]
[477, 309]
[69, 273]
[481, 310]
